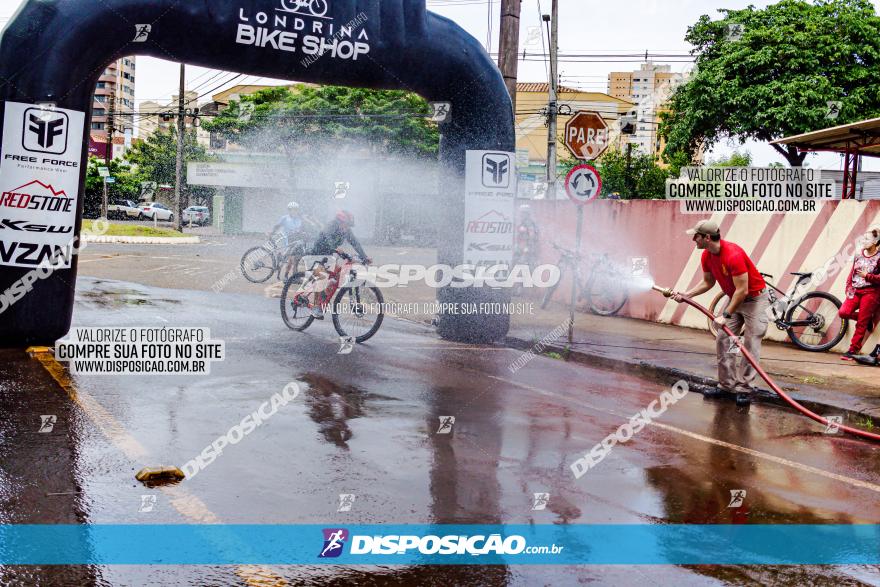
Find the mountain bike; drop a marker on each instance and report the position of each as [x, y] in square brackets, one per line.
[811, 321]
[357, 308]
[259, 264]
[605, 290]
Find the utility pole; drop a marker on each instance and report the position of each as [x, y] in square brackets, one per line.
[181, 136]
[630, 189]
[108, 152]
[508, 46]
[553, 19]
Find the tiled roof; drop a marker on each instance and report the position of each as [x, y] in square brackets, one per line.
[542, 88]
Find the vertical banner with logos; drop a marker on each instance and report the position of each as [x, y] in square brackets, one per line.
[490, 188]
[39, 183]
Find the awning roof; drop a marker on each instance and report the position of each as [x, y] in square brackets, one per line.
[862, 137]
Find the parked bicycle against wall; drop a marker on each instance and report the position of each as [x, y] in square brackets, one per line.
[259, 264]
[811, 321]
[605, 289]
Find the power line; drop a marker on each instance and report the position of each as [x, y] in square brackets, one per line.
[545, 57]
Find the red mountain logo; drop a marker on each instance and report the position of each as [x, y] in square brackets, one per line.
[36, 195]
[492, 222]
[49, 187]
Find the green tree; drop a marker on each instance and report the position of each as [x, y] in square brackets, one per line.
[307, 118]
[735, 159]
[647, 177]
[156, 159]
[777, 78]
[126, 187]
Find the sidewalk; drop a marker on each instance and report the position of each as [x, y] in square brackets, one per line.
[674, 352]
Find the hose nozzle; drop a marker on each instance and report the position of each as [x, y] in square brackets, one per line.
[666, 291]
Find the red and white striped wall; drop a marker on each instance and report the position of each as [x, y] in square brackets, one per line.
[778, 244]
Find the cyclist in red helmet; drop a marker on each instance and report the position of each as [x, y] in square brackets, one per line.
[336, 233]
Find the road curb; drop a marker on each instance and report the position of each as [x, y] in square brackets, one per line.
[697, 383]
[143, 240]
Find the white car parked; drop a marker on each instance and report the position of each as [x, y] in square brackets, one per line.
[123, 209]
[197, 215]
[156, 211]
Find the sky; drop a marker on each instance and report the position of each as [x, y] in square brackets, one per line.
[586, 27]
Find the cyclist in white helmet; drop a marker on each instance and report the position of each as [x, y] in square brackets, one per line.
[288, 225]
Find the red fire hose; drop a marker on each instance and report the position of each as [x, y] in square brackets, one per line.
[765, 377]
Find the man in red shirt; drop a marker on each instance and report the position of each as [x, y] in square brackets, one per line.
[729, 266]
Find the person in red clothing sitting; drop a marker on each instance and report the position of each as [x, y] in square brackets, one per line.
[863, 291]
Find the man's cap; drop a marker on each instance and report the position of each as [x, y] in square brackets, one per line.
[705, 227]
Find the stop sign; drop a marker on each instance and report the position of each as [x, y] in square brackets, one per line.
[586, 135]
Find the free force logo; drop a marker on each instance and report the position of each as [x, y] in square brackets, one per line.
[334, 540]
[496, 170]
[45, 131]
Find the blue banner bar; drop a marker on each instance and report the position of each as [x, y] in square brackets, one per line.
[224, 544]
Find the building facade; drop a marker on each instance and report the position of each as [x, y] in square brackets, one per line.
[531, 128]
[153, 116]
[113, 102]
[643, 87]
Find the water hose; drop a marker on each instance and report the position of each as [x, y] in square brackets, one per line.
[854, 431]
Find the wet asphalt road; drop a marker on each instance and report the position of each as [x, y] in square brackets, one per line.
[212, 264]
[366, 424]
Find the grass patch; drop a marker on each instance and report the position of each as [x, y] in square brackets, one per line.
[867, 423]
[553, 355]
[810, 380]
[134, 230]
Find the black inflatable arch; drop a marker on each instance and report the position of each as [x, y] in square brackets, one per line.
[53, 51]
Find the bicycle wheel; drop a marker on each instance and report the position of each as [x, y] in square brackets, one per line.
[357, 311]
[718, 305]
[258, 264]
[318, 7]
[813, 323]
[294, 307]
[607, 294]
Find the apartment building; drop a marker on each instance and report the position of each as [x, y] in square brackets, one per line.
[153, 116]
[642, 87]
[114, 96]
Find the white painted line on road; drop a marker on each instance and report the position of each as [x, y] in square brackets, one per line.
[187, 504]
[81, 261]
[449, 348]
[772, 458]
[755, 453]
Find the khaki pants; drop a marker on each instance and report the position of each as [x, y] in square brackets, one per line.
[735, 373]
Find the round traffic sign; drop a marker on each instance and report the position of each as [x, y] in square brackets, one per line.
[583, 184]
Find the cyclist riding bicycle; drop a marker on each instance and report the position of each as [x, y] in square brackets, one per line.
[336, 233]
[287, 226]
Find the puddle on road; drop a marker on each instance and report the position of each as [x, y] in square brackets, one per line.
[109, 297]
[332, 406]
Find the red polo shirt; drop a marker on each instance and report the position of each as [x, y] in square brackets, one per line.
[731, 260]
